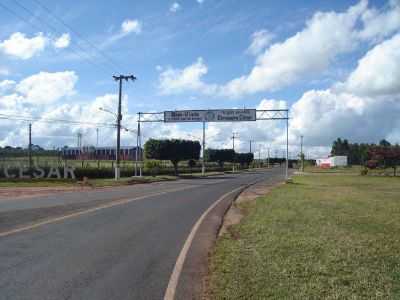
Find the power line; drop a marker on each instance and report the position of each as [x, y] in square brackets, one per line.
[55, 31]
[52, 28]
[60, 20]
[50, 120]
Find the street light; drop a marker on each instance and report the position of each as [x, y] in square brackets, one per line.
[116, 116]
[136, 152]
[108, 111]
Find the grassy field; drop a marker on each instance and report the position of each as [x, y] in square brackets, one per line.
[325, 236]
[347, 170]
[354, 170]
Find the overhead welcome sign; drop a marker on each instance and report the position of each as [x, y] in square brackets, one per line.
[213, 115]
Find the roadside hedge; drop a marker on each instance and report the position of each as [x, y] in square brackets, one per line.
[91, 172]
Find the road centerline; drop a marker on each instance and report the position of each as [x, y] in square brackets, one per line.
[113, 203]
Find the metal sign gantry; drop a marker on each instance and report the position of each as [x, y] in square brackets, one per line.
[206, 116]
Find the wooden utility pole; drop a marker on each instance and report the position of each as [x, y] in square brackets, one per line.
[301, 154]
[119, 119]
[97, 138]
[234, 135]
[30, 147]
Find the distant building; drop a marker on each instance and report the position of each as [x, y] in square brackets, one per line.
[100, 153]
[333, 161]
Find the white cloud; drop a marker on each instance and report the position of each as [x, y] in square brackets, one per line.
[43, 88]
[363, 109]
[176, 81]
[128, 27]
[4, 71]
[59, 134]
[63, 41]
[379, 24]
[307, 52]
[174, 7]
[322, 116]
[6, 85]
[20, 46]
[200, 1]
[131, 26]
[260, 40]
[378, 72]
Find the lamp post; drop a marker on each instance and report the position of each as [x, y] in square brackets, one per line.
[117, 150]
[136, 158]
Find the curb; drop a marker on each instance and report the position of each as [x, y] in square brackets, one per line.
[190, 282]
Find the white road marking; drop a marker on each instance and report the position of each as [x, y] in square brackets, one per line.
[77, 214]
[173, 281]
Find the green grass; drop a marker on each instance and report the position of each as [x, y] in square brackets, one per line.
[322, 237]
[347, 170]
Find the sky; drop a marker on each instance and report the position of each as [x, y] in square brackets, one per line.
[334, 64]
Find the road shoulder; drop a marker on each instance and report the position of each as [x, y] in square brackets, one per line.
[193, 279]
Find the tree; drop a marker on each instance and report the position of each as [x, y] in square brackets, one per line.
[384, 143]
[220, 156]
[357, 154]
[340, 147]
[387, 156]
[244, 159]
[191, 165]
[173, 149]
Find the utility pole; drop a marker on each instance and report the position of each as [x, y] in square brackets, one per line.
[301, 153]
[138, 148]
[203, 162]
[268, 159]
[30, 147]
[119, 119]
[234, 135]
[287, 150]
[79, 143]
[97, 138]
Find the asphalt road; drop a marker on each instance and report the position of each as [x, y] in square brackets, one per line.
[124, 251]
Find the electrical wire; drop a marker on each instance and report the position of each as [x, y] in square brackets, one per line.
[55, 30]
[80, 36]
[50, 120]
[87, 59]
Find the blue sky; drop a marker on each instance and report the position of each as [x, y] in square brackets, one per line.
[199, 54]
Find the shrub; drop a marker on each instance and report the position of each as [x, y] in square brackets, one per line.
[152, 166]
[372, 164]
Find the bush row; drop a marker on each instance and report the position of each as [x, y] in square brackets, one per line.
[149, 170]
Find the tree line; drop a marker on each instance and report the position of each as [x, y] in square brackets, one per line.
[176, 150]
[9, 151]
[381, 155]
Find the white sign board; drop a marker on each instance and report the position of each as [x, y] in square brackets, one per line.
[216, 115]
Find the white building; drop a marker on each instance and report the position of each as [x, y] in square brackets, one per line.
[333, 161]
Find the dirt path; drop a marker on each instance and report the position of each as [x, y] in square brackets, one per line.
[235, 214]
